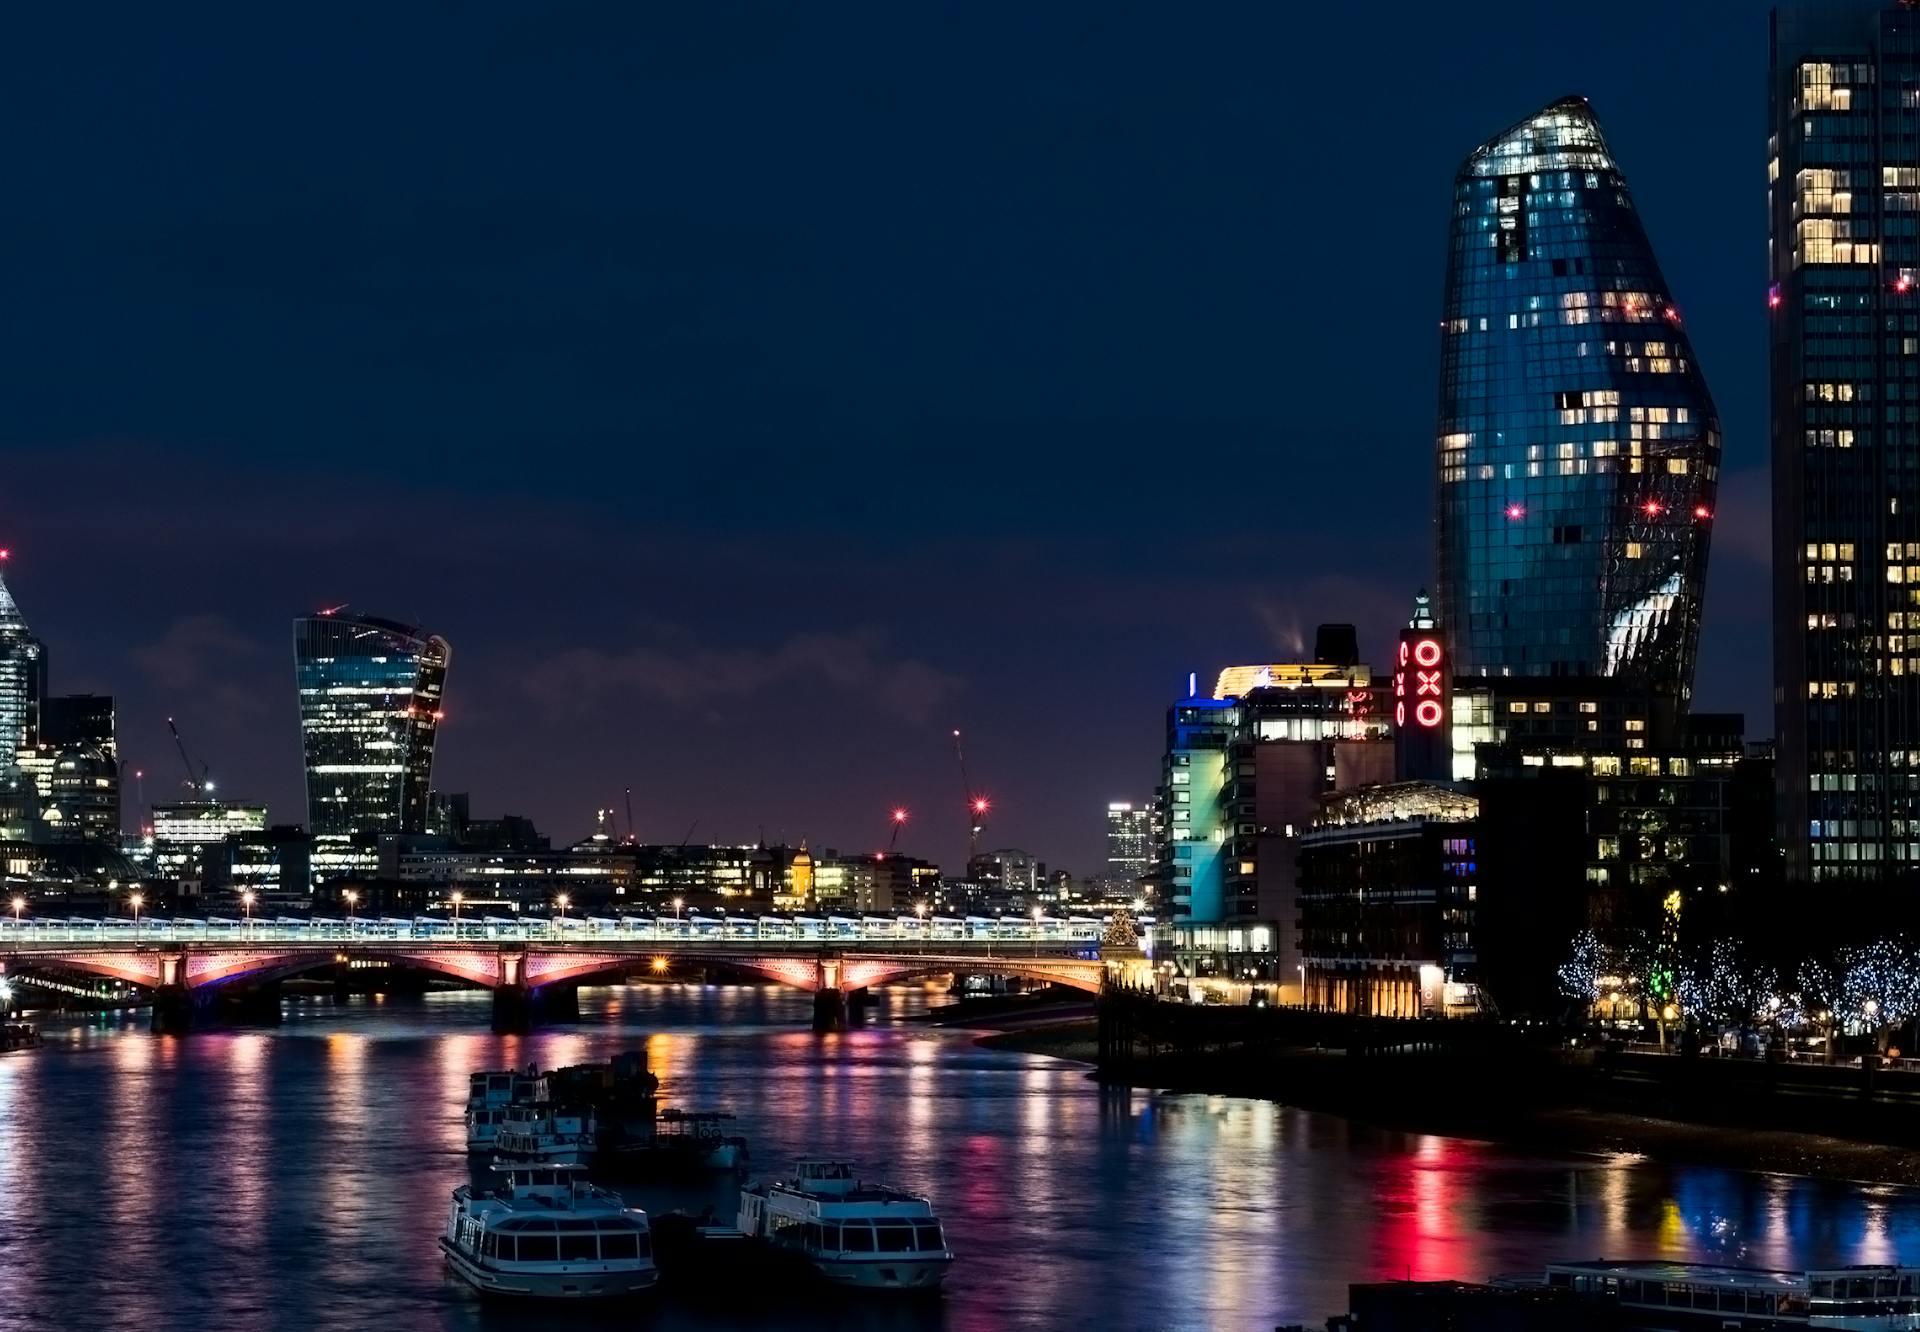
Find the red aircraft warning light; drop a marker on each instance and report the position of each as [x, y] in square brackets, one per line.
[980, 805]
[1515, 511]
[1702, 511]
[1903, 284]
[1652, 507]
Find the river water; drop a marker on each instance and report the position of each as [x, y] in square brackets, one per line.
[297, 1177]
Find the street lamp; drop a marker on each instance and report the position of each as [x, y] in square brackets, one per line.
[19, 904]
[351, 897]
[677, 904]
[1036, 931]
[246, 904]
[456, 899]
[560, 901]
[134, 900]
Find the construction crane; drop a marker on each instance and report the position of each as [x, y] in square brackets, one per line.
[201, 786]
[977, 804]
[632, 838]
[899, 821]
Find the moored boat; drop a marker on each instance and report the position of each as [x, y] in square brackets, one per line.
[489, 1094]
[542, 1133]
[855, 1234]
[548, 1234]
[1649, 1296]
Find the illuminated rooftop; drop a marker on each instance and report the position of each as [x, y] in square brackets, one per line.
[1398, 802]
[1561, 137]
[1238, 681]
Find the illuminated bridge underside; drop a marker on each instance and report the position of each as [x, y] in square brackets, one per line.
[808, 966]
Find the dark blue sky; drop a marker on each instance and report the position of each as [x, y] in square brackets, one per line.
[753, 393]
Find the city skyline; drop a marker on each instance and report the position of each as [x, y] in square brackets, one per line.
[539, 472]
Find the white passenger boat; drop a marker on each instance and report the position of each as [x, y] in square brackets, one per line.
[548, 1233]
[544, 1134]
[489, 1093]
[854, 1234]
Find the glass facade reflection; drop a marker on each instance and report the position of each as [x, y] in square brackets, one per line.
[1843, 190]
[1578, 449]
[370, 707]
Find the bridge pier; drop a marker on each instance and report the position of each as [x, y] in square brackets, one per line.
[858, 1001]
[829, 1009]
[172, 1010]
[519, 1008]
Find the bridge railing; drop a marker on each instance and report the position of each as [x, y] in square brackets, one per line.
[664, 931]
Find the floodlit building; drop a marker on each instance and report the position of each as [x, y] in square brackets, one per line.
[183, 830]
[1388, 894]
[371, 697]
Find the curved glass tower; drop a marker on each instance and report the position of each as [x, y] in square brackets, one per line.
[371, 695]
[1578, 449]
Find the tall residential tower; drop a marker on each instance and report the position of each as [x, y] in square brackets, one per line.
[1843, 197]
[370, 708]
[1578, 449]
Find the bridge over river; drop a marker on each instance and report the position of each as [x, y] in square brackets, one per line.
[535, 966]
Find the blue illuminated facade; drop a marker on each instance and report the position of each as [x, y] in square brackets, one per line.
[1193, 813]
[371, 697]
[1578, 450]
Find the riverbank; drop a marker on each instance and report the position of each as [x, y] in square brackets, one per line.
[1558, 1129]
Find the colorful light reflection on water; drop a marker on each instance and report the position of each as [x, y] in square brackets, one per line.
[297, 1177]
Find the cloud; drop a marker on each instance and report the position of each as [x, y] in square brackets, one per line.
[198, 659]
[679, 671]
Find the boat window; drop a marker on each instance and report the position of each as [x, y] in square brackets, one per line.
[506, 1249]
[489, 1242]
[830, 1236]
[812, 1240]
[620, 1246]
[575, 1223]
[1823, 1288]
[857, 1237]
[579, 1248]
[894, 1236]
[538, 1223]
[538, 1248]
[930, 1241]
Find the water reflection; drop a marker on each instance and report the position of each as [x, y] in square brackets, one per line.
[297, 1177]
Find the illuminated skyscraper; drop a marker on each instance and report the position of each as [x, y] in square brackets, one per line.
[22, 685]
[22, 680]
[370, 707]
[1129, 840]
[1578, 450]
[1843, 193]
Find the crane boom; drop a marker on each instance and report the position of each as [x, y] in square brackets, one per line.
[976, 804]
[197, 785]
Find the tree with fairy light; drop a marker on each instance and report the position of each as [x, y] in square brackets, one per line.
[1880, 989]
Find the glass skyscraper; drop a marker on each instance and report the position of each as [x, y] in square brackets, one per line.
[22, 683]
[370, 707]
[1578, 450]
[1129, 840]
[1843, 198]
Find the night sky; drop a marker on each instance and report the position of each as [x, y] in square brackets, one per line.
[753, 393]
